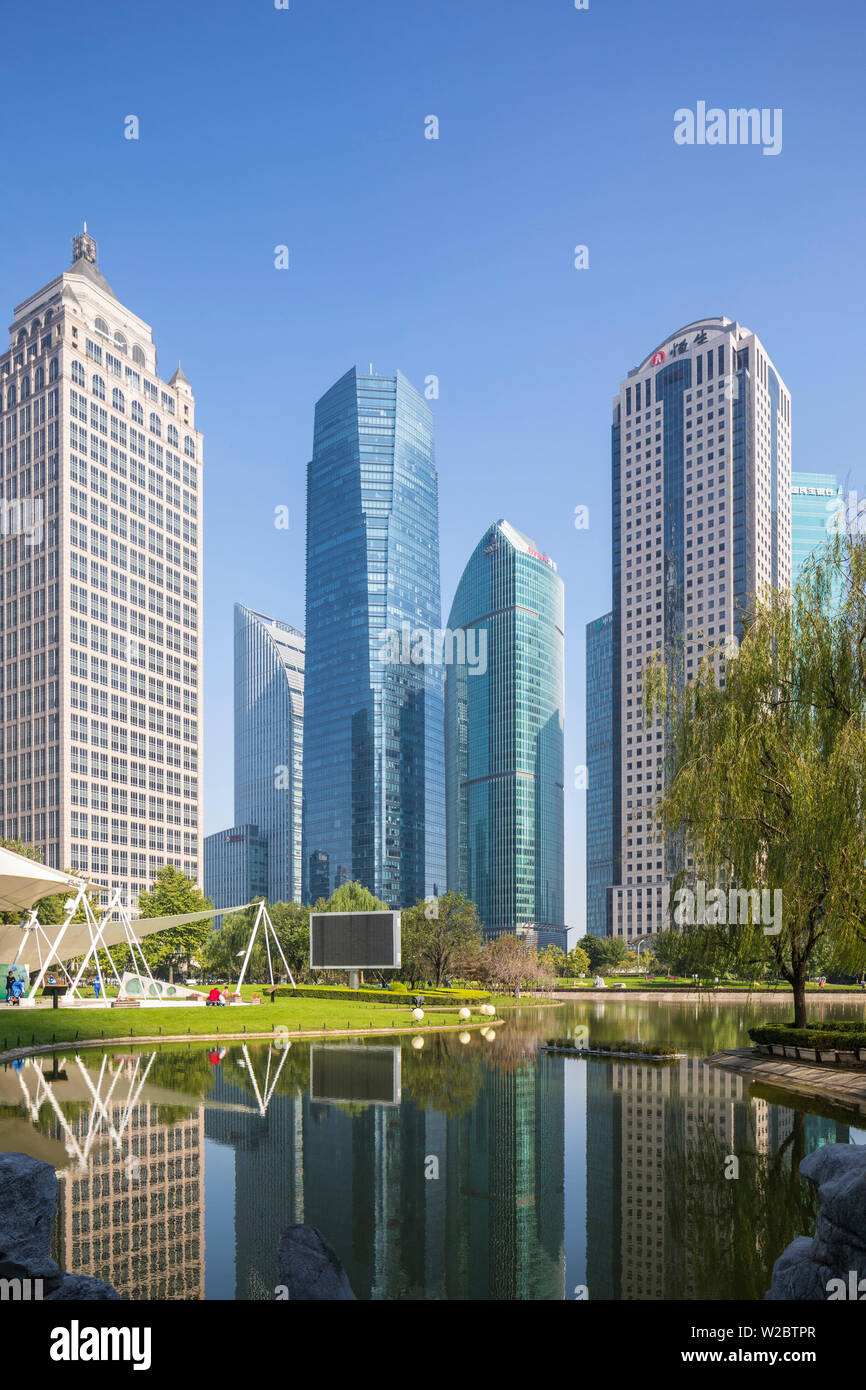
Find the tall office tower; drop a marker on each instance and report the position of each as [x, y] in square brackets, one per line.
[600, 855]
[101, 567]
[373, 777]
[235, 867]
[701, 451]
[269, 742]
[817, 511]
[504, 703]
[260, 856]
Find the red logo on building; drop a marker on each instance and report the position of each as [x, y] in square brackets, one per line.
[657, 358]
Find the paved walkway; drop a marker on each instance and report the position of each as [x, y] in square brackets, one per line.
[835, 1083]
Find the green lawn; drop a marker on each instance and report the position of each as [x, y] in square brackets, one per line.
[663, 982]
[44, 1025]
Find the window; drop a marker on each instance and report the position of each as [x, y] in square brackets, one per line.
[101, 326]
[97, 386]
[117, 400]
[138, 355]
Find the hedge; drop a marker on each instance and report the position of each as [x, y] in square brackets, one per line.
[378, 996]
[826, 1037]
[640, 1049]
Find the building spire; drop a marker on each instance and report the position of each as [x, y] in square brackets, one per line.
[84, 247]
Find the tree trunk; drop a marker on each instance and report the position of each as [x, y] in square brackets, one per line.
[798, 984]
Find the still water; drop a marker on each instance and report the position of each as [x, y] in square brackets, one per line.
[484, 1170]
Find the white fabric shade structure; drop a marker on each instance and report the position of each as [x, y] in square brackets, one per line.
[24, 882]
[78, 936]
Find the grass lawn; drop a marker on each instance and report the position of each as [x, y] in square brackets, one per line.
[43, 1025]
[669, 982]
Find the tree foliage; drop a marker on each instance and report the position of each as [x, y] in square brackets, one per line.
[765, 783]
[440, 939]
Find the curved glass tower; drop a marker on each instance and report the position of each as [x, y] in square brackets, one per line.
[373, 777]
[504, 738]
[269, 732]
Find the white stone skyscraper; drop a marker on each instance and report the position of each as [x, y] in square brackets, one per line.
[101, 588]
[701, 454]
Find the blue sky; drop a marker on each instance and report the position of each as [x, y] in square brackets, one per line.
[454, 257]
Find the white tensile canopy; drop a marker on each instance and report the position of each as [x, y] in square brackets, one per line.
[24, 882]
[78, 936]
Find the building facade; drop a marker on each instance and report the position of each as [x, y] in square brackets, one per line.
[600, 849]
[373, 777]
[235, 867]
[701, 455]
[269, 743]
[101, 574]
[504, 763]
[817, 511]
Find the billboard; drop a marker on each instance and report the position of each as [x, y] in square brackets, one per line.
[354, 940]
[355, 1075]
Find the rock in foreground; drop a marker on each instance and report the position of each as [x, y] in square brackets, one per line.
[837, 1252]
[310, 1269]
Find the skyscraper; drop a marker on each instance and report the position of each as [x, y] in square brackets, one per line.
[373, 778]
[504, 738]
[701, 452]
[600, 852]
[261, 854]
[817, 510]
[269, 742]
[101, 565]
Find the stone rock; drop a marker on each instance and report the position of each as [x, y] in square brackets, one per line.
[310, 1268]
[28, 1201]
[838, 1248]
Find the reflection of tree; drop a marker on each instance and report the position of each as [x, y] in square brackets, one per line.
[730, 1231]
[182, 1069]
[447, 1075]
[444, 1075]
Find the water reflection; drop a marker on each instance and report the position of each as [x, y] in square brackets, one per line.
[436, 1173]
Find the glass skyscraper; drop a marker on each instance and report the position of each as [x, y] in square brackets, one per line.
[260, 856]
[269, 742]
[599, 765]
[373, 774]
[504, 738]
[817, 510]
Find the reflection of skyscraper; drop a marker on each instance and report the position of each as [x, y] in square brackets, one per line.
[417, 1204]
[373, 781]
[133, 1214]
[504, 738]
[666, 1134]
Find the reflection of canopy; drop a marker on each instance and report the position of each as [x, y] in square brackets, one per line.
[24, 882]
[78, 935]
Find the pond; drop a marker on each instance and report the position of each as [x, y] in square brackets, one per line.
[484, 1169]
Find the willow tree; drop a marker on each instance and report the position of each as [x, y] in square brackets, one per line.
[766, 752]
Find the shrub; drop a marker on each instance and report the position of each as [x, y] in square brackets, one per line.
[375, 996]
[825, 1037]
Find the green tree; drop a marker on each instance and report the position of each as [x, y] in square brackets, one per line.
[173, 894]
[440, 938]
[576, 963]
[552, 961]
[603, 952]
[765, 784]
[350, 897]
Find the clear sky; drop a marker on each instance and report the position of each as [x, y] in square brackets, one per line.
[305, 127]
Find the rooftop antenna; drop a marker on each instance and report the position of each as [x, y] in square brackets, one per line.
[371, 368]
